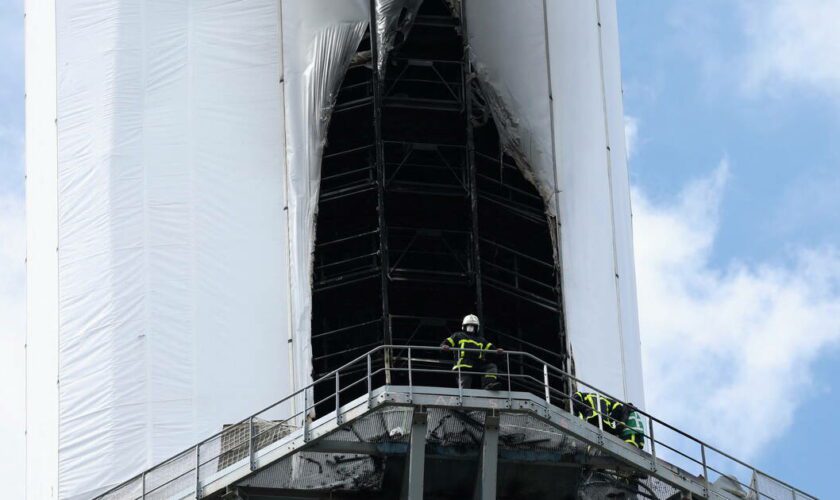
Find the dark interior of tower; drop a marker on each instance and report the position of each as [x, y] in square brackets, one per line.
[423, 217]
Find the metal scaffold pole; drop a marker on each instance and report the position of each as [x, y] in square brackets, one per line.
[380, 186]
[470, 158]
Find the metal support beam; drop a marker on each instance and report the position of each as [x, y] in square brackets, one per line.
[357, 448]
[485, 488]
[415, 464]
[380, 185]
[470, 158]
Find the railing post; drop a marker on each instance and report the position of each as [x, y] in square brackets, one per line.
[705, 470]
[251, 442]
[598, 410]
[306, 414]
[652, 445]
[143, 486]
[755, 480]
[460, 387]
[410, 380]
[198, 471]
[337, 399]
[510, 392]
[388, 361]
[369, 386]
[571, 401]
[545, 382]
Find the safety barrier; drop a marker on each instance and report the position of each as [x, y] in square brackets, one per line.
[187, 474]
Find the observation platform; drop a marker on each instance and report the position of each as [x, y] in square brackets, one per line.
[424, 442]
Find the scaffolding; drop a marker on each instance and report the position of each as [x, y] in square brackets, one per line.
[423, 217]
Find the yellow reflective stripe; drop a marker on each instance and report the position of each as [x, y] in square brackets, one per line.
[461, 365]
[451, 342]
[487, 347]
[591, 400]
[490, 375]
[632, 440]
[470, 341]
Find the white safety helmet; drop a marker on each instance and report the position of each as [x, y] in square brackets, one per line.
[470, 320]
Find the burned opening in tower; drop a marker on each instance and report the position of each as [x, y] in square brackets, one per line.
[424, 218]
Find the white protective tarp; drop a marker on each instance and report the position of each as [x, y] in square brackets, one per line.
[320, 38]
[554, 68]
[172, 263]
[179, 298]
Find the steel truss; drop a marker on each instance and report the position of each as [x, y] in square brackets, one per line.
[428, 181]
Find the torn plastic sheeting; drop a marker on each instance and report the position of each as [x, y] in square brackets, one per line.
[511, 136]
[507, 51]
[321, 38]
[394, 19]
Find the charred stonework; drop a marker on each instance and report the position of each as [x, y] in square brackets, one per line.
[423, 218]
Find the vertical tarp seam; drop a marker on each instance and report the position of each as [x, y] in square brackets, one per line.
[193, 239]
[290, 250]
[558, 246]
[26, 270]
[616, 277]
[57, 263]
[147, 286]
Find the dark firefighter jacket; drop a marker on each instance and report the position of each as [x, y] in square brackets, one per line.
[617, 418]
[470, 359]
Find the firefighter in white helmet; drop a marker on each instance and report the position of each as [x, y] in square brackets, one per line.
[477, 364]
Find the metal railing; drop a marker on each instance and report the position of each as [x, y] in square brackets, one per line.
[185, 474]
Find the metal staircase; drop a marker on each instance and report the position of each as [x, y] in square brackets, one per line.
[420, 441]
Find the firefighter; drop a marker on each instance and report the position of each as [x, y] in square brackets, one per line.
[585, 404]
[473, 365]
[630, 426]
[617, 418]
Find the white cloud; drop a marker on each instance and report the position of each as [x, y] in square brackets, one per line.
[719, 344]
[793, 42]
[12, 334]
[631, 134]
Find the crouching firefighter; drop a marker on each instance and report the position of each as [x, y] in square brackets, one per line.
[617, 418]
[473, 365]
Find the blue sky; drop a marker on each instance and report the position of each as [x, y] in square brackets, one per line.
[12, 246]
[733, 118]
[687, 77]
[733, 113]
